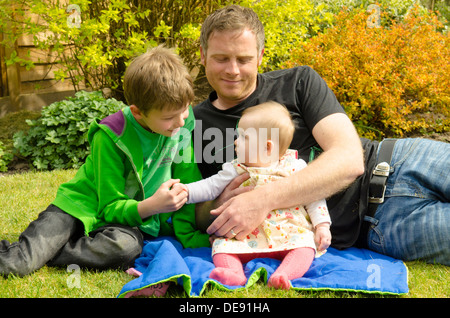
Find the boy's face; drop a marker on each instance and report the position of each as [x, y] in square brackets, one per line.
[163, 122]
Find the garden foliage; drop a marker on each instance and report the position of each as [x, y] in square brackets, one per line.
[391, 79]
[58, 139]
[92, 42]
[286, 24]
[5, 158]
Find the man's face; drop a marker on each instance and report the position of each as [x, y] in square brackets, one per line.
[231, 64]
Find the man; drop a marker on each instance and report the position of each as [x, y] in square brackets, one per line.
[407, 219]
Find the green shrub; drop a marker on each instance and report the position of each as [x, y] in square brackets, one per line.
[5, 158]
[58, 139]
[92, 42]
[393, 9]
[290, 22]
[286, 24]
[391, 80]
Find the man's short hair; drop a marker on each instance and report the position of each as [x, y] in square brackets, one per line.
[232, 18]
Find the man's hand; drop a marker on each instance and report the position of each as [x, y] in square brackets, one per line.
[233, 189]
[202, 213]
[239, 216]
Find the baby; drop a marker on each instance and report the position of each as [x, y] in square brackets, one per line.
[294, 235]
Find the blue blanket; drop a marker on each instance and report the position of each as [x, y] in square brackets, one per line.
[165, 260]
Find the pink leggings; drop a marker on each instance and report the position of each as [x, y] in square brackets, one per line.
[295, 263]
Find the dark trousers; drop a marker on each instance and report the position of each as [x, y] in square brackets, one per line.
[56, 238]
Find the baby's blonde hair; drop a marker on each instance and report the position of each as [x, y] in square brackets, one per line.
[274, 115]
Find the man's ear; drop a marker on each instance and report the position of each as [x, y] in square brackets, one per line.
[202, 56]
[136, 112]
[260, 58]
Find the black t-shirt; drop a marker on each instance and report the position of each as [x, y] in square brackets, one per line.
[309, 100]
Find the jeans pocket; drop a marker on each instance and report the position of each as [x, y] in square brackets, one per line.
[376, 239]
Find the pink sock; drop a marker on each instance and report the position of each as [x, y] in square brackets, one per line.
[229, 270]
[294, 265]
[157, 290]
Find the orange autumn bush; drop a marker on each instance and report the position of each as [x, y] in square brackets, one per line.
[391, 80]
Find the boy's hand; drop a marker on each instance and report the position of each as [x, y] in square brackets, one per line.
[170, 197]
[322, 237]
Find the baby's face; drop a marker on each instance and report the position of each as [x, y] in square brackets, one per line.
[253, 147]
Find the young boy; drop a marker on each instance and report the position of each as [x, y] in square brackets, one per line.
[128, 184]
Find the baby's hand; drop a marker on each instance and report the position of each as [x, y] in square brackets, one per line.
[178, 187]
[170, 197]
[322, 237]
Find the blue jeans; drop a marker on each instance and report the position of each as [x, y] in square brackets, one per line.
[414, 221]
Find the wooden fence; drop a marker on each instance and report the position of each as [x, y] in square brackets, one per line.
[29, 89]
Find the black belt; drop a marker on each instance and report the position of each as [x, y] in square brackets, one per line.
[377, 185]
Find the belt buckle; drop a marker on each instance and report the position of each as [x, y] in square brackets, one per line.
[382, 169]
[378, 200]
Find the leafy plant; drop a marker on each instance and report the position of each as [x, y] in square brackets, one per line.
[5, 158]
[391, 80]
[91, 42]
[286, 24]
[393, 9]
[188, 40]
[58, 139]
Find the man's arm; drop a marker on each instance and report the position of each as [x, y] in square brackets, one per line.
[335, 169]
[202, 210]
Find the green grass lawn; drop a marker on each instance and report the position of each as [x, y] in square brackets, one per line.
[24, 196]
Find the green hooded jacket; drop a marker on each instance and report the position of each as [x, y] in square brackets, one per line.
[108, 187]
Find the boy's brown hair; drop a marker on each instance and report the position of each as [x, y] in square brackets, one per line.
[274, 115]
[232, 18]
[158, 79]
